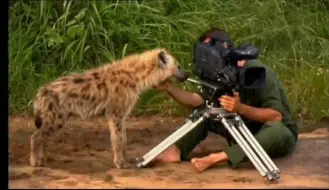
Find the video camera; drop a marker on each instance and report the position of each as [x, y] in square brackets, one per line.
[216, 64]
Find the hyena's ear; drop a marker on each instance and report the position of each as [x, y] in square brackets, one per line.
[162, 58]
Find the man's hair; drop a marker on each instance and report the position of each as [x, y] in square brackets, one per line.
[215, 32]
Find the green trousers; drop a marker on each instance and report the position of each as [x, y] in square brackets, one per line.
[275, 138]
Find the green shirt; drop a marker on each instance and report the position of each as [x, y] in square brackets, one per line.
[271, 96]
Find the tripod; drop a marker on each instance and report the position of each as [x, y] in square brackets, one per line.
[234, 124]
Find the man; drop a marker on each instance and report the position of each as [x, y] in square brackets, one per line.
[265, 111]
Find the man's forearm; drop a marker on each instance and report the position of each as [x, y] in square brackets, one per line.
[259, 114]
[187, 99]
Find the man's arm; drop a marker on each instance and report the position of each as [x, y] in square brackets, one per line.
[270, 107]
[263, 115]
[187, 99]
[259, 114]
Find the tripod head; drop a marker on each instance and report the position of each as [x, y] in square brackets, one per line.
[213, 88]
[212, 107]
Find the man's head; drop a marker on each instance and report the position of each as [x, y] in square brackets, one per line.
[215, 33]
[222, 38]
[216, 59]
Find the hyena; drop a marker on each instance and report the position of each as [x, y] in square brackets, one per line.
[111, 90]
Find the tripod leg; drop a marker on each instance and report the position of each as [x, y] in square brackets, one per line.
[264, 156]
[182, 131]
[165, 142]
[245, 147]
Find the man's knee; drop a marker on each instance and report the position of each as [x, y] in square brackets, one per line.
[171, 154]
[274, 132]
[201, 131]
[276, 137]
[274, 124]
[276, 128]
[188, 142]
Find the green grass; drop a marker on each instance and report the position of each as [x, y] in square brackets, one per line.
[50, 38]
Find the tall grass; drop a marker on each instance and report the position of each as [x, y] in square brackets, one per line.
[50, 38]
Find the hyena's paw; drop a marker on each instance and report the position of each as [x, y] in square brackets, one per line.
[122, 164]
[37, 161]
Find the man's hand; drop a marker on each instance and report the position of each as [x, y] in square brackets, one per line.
[163, 86]
[229, 103]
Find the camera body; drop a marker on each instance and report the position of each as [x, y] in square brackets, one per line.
[217, 64]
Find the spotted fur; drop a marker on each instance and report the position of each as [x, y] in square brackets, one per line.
[111, 90]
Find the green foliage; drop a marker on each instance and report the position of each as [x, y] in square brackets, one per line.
[50, 38]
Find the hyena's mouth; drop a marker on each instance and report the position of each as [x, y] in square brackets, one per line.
[181, 75]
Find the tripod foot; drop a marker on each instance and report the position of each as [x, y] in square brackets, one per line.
[139, 162]
[273, 177]
[276, 175]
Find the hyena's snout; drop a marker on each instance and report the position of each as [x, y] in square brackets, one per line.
[181, 75]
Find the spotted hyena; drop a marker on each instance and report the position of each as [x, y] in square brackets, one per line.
[111, 90]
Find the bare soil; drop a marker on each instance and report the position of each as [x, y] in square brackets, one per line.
[81, 157]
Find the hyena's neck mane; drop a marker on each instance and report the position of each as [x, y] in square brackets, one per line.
[135, 71]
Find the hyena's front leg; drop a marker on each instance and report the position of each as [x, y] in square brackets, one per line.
[124, 135]
[117, 143]
[47, 126]
[38, 148]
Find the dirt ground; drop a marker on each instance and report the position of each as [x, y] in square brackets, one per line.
[81, 157]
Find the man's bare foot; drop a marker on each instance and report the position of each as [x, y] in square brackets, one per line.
[201, 164]
[172, 154]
